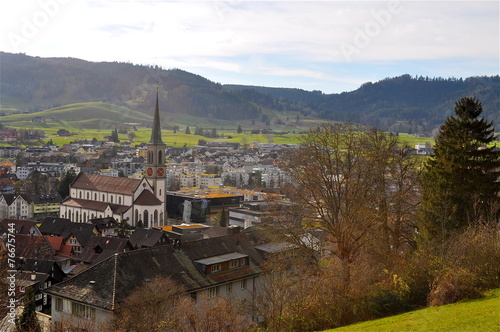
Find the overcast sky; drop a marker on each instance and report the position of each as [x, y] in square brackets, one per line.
[332, 46]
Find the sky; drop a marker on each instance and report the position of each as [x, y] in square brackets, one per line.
[332, 46]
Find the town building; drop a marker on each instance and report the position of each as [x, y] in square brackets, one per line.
[226, 266]
[134, 200]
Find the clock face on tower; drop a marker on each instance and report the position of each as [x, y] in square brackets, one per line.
[149, 171]
[160, 171]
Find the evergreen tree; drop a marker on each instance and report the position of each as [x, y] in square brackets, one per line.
[223, 218]
[28, 321]
[66, 181]
[239, 130]
[114, 136]
[460, 182]
[187, 131]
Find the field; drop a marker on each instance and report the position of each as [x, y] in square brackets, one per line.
[477, 315]
[96, 120]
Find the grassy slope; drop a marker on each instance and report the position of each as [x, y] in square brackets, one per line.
[81, 115]
[477, 315]
[96, 120]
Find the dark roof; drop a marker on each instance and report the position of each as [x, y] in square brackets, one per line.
[53, 226]
[99, 248]
[82, 233]
[143, 237]
[109, 282]
[30, 246]
[21, 226]
[9, 198]
[43, 266]
[104, 223]
[147, 198]
[46, 198]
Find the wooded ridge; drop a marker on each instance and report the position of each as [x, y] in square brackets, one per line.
[403, 103]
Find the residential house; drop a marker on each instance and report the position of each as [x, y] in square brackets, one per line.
[99, 248]
[226, 266]
[105, 226]
[45, 205]
[147, 238]
[40, 274]
[19, 226]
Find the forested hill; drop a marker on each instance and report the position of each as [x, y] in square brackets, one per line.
[399, 104]
[404, 103]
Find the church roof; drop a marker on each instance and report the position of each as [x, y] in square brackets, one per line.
[156, 133]
[147, 198]
[111, 184]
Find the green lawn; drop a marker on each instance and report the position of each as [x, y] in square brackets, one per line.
[478, 315]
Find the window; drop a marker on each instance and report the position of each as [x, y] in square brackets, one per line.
[146, 219]
[213, 291]
[233, 264]
[215, 268]
[61, 305]
[244, 284]
[243, 261]
[83, 311]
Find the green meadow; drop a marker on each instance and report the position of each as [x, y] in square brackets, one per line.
[96, 120]
[477, 315]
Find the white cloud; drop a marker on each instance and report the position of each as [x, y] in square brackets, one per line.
[282, 38]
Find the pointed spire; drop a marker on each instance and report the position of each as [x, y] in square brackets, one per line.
[156, 133]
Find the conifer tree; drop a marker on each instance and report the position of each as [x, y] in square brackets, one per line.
[460, 183]
[28, 321]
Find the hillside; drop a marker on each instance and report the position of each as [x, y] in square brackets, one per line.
[477, 315]
[79, 115]
[405, 104]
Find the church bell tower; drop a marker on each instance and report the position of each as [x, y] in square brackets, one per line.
[155, 166]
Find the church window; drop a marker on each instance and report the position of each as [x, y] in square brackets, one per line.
[146, 219]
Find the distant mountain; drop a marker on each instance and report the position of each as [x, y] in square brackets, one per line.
[404, 103]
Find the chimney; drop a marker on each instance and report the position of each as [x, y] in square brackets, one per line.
[233, 229]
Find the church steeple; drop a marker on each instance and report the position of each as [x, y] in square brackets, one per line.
[155, 167]
[156, 133]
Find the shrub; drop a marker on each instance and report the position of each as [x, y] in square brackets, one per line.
[453, 285]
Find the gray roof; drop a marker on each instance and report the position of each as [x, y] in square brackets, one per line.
[220, 258]
[108, 283]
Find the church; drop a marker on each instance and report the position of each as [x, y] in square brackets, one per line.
[98, 196]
